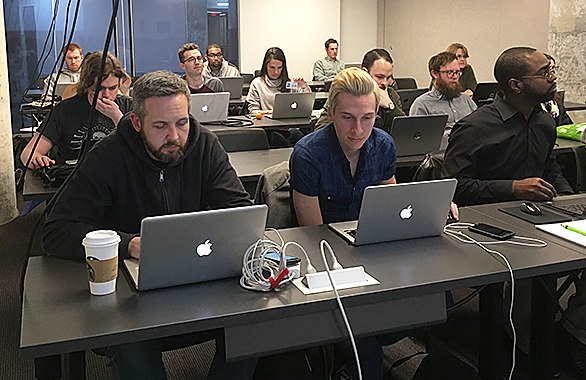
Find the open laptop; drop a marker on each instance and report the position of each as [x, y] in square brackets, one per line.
[194, 247]
[408, 96]
[233, 85]
[485, 92]
[348, 65]
[418, 135]
[289, 105]
[210, 107]
[402, 211]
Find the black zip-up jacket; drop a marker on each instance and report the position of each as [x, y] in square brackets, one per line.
[118, 185]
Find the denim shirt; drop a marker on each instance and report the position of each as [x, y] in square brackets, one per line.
[319, 168]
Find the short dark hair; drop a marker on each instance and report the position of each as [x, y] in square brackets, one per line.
[157, 84]
[374, 55]
[90, 68]
[279, 55]
[187, 47]
[212, 46]
[330, 41]
[439, 60]
[512, 63]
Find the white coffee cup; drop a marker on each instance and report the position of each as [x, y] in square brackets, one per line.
[101, 256]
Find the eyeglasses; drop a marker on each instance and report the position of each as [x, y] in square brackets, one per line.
[549, 74]
[193, 59]
[217, 55]
[451, 73]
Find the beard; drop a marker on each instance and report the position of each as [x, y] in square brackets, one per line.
[540, 96]
[448, 90]
[159, 153]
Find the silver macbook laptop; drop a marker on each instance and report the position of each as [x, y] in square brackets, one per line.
[210, 107]
[233, 85]
[354, 64]
[402, 211]
[418, 135]
[60, 88]
[194, 247]
[293, 105]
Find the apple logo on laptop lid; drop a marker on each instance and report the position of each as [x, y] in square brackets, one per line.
[406, 213]
[294, 105]
[204, 248]
[205, 108]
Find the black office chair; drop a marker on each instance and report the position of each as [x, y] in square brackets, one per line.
[242, 139]
[256, 73]
[247, 78]
[406, 83]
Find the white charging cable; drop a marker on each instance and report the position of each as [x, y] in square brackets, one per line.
[256, 267]
[454, 230]
[323, 244]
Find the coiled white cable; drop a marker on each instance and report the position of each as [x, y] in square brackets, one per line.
[255, 266]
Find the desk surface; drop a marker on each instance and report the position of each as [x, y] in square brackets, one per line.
[572, 106]
[249, 166]
[59, 315]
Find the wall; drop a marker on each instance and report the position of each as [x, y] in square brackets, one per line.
[298, 27]
[415, 30]
[358, 28]
[567, 37]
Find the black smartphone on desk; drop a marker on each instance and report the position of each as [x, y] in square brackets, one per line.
[491, 231]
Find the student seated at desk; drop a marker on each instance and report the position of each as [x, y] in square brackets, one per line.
[158, 161]
[191, 60]
[330, 169]
[329, 66]
[70, 73]
[379, 65]
[66, 125]
[467, 78]
[272, 80]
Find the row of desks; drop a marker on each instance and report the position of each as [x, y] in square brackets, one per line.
[248, 165]
[59, 315]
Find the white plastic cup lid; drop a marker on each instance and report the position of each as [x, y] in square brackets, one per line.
[100, 238]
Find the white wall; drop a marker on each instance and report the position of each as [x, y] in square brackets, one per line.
[358, 24]
[415, 30]
[299, 27]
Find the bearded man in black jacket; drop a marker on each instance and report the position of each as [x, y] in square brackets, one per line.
[159, 161]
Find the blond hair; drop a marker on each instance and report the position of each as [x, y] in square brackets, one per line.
[352, 81]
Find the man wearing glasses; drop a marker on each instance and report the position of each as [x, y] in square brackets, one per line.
[66, 126]
[216, 65]
[502, 151]
[446, 97]
[191, 60]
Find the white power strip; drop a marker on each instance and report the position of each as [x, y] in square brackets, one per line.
[343, 278]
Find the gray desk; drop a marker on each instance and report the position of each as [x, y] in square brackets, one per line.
[248, 165]
[320, 99]
[59, 316]
[266, 123]
[572, 106]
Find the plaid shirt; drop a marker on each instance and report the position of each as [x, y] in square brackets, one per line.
[320, 169]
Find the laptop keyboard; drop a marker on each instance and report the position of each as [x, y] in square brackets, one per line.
[576, 209]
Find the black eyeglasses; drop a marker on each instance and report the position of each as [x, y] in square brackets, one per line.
[193, 59]
[217, 55]
[549, 74]
[451, 73]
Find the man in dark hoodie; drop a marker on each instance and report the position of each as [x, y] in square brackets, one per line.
[160, 160]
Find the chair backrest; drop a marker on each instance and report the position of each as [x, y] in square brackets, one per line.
[247, 78]
[273, 190]
[406, 83]
[256, 73]
[241, 139]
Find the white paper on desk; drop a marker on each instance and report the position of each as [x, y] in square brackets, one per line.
[558, 230]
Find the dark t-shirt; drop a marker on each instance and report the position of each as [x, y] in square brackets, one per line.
[67, 125]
